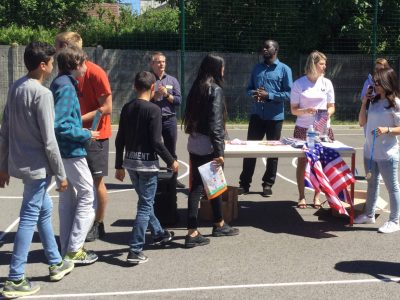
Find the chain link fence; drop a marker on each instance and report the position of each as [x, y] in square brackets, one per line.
[352, 33]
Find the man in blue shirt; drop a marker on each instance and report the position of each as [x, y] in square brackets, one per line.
[269, 85]
[167, 97]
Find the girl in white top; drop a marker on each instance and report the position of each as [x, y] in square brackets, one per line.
[381, 150]
[310, 93]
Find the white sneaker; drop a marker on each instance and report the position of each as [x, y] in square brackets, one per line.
[389, 227]
[364, 219]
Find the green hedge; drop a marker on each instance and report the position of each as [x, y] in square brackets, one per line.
[155, 29]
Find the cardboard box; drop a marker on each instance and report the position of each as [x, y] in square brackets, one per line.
[360, 196]
[230, 208]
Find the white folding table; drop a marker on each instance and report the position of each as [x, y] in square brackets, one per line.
[268, 149]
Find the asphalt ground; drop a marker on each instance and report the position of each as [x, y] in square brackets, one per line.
[281, 253]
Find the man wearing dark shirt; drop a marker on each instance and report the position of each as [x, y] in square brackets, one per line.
[167, 96]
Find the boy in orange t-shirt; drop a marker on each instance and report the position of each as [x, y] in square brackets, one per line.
[94, 94]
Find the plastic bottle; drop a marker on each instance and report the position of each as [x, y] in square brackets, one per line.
[311, 134]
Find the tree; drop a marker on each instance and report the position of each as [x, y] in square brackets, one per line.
[46, 13]
[340, 26]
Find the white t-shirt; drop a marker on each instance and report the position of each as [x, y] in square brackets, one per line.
[386, 145]
[307, 94]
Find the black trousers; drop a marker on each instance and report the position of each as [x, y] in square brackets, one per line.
[259, 128]
[169, 134]
[197, 191]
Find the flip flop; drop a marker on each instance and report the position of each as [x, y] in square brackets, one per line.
[302, 204]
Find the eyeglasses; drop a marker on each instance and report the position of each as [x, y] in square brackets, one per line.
[377, 82]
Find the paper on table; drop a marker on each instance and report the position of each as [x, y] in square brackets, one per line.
[237, 142]
[213, 178]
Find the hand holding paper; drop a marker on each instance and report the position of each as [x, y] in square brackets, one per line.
[213, 179]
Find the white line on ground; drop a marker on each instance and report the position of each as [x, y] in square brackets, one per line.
[218, 287]
[13, 224]
[9, 228]
[109, 192]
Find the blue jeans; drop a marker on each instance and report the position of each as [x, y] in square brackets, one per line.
[389, 171]
[145, 184]
[36, 209]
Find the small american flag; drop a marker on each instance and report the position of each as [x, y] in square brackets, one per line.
[328, 172]
[320, 121]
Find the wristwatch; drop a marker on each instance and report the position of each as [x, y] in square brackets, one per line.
[389, 130]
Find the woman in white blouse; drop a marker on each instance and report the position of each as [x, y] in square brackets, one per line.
[381, 121]
[311, 94]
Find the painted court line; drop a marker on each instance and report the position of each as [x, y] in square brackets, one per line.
[217, 287]
[109, 192]
[13, 224]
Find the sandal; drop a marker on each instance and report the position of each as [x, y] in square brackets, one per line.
[302, 204]
[317, 204]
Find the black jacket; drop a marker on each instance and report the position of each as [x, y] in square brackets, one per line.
[213, 125]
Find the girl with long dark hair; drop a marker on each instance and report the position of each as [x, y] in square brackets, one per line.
[381, 121]
[204, 121]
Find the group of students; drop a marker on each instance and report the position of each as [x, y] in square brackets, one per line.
[42, 135]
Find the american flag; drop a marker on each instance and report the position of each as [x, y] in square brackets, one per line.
[320, 121]
[328, 172]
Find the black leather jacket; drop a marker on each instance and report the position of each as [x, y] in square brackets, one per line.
[213, 125]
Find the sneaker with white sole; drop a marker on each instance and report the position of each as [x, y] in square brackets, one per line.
[19, 288]
[81, 257]
[136, 257]
[364, 219]
[165, 238]
[389, 227]
[57, 272]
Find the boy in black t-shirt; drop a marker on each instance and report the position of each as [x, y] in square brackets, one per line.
[139, 134]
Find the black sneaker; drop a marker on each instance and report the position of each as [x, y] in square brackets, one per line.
[165, 238]
[180, 185]
[224, 230]
[267, 191]
[19, 288]
[136, 258]
[93, 233]
[243, 190]
[198, 240]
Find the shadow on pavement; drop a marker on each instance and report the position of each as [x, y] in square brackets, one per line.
[377, 269]
[284, 217]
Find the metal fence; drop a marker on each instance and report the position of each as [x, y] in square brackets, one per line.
[352, 33]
